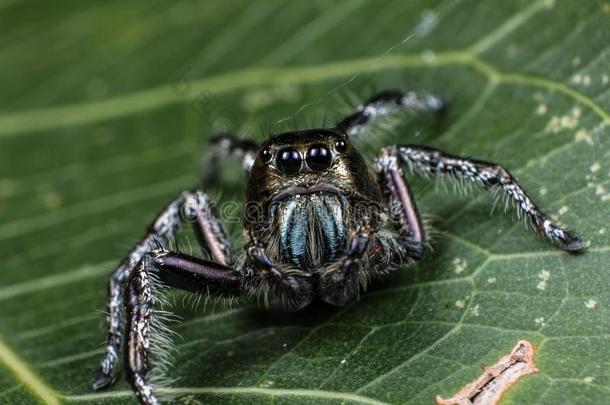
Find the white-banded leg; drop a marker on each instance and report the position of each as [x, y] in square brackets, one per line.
[490, 175]
[191, 205]
[222, 146]
[143, 335]
[388, 102]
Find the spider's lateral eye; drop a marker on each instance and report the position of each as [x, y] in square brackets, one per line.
[266, 156]
[288, 161]
[341, 146]
[318, 157]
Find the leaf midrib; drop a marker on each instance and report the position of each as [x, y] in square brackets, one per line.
[314, 394]
[23, 373]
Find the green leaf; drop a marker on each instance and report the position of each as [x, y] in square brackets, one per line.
[105, 111]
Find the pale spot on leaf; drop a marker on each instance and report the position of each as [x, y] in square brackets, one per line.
[595, 167]
[582, 135]
[544, 276]
[459, 265]
[568, 121]
[601, 191]
[576, 79]
[591, 303]
[541, 110]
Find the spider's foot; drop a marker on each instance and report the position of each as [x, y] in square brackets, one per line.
[573, 244]
[102, 380]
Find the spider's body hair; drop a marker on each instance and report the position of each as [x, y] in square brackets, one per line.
[160, 337]
[312, 230]
[204, 300]
[296, 122]
[317, 244]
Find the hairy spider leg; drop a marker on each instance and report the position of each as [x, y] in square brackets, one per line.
[223, 146]
[212, 237]
[388, 102]
[161, 268]
[428, 160]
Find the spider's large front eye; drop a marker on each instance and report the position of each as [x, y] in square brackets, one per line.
[288, 161]
[318, 158]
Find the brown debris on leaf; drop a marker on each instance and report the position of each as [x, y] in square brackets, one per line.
[496, 379]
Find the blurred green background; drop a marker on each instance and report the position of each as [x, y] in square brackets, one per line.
[105, 111]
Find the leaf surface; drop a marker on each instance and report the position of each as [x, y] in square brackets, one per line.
[107, 107]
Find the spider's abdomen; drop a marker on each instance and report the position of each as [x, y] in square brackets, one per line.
[311, 230]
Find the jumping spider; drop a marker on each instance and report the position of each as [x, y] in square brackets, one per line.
[318, 224]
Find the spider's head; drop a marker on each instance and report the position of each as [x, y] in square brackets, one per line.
[307, 162]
